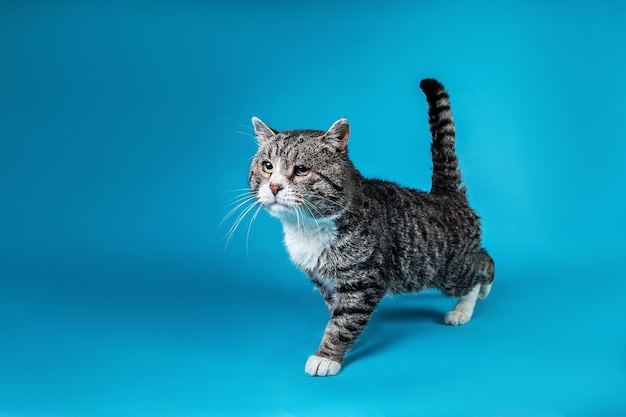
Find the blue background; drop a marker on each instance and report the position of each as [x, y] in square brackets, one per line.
[125, 135]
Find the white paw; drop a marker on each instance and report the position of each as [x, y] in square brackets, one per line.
[484, 291]
[456, 317]
[318, 366]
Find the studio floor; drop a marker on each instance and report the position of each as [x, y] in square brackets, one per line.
[116, 337]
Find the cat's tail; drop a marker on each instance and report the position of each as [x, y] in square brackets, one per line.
[446, 177]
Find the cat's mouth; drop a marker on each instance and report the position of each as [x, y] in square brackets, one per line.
[275, 207]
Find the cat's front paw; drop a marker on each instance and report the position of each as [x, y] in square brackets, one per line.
[318, 366]
[457, 318]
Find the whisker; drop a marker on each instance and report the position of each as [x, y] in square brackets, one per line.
[252, 135]
[239, 204]
[308, 205]
[297, 211]
[241, 198]
[242, 192]
[331, 201]
[256, 213]
[250, 128]
[237, 190]
[239, 219]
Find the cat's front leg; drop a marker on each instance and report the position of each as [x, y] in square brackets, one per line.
[354, 304]
[326, 287]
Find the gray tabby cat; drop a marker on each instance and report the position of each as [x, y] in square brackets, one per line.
[359, 239]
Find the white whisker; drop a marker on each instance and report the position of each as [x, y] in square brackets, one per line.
[308, 205]
[256, 213]
[239, 202]
[238, 190]
[250, 128]
[241, 198]
[297, 211]
[252, 135]
[252, 203]
[330, 201]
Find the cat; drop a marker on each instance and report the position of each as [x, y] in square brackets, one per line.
[360, 239]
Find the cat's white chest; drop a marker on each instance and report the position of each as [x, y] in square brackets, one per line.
[307, 241]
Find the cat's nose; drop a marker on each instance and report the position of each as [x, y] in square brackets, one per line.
[275, 188]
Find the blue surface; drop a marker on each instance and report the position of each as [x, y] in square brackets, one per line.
[124, 130]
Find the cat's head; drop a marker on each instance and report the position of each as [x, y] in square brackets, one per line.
[299, 174]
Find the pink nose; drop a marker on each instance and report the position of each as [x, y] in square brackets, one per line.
[275, 188]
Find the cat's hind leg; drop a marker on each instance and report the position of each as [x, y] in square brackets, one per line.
[484, 291]
[486, 271]
[462, 312]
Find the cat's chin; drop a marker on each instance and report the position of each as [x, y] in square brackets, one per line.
[279, 210]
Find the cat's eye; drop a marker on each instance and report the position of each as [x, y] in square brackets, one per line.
[301, 170]
[267, 167]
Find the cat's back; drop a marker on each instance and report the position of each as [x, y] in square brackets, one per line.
[415, 216]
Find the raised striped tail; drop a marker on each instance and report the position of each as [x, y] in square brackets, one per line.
[446, 176]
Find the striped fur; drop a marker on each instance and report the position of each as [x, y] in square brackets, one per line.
[359, 239]
[446, 177]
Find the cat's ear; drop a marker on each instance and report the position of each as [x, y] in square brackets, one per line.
[264, 133]
[338, 134]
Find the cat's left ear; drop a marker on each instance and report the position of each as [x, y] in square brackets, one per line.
[264, 133]
[338, 134]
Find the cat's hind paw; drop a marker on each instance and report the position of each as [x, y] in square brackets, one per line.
[464, 309]
[318, 366]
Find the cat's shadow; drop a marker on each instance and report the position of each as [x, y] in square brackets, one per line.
[409, 314]
[390, 325]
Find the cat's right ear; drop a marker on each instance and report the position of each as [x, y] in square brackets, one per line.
[264, 133]
[338, 134]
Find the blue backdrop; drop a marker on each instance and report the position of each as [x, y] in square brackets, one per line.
[125, 138]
